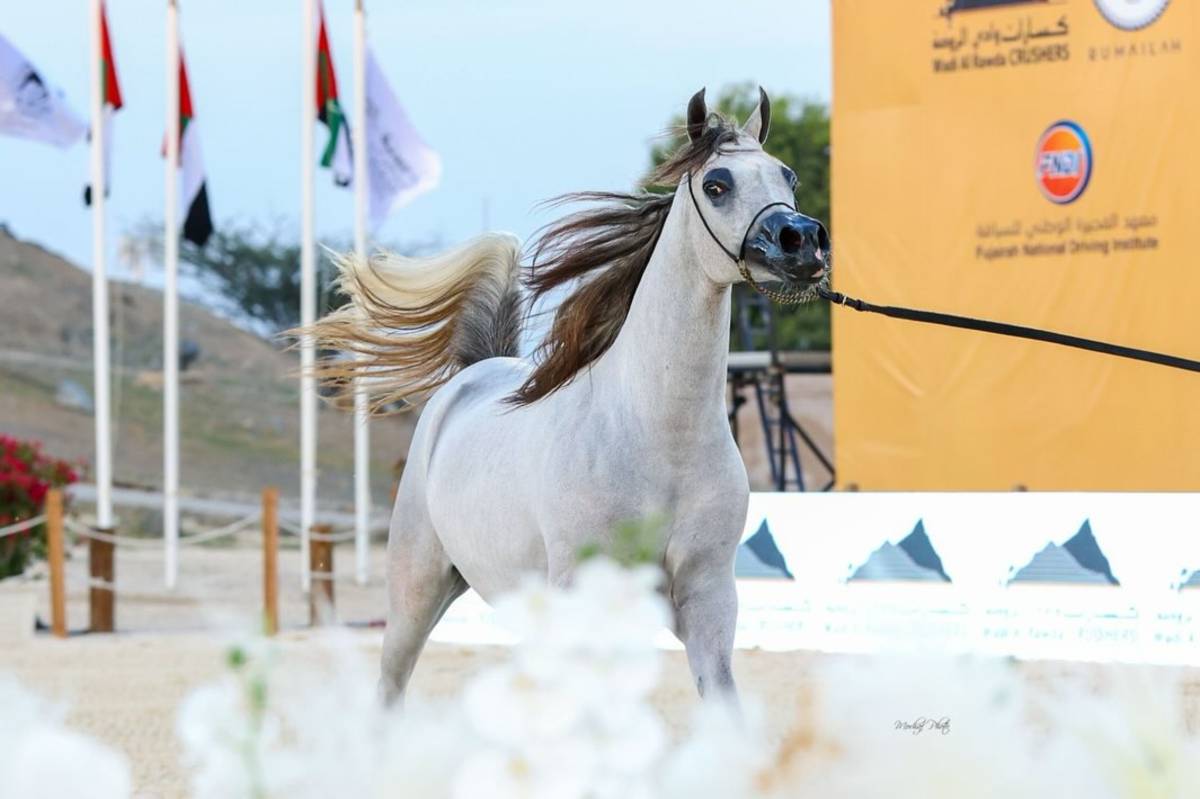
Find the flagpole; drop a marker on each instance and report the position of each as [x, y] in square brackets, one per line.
[308, 290]
[171, 307]
[362, 430]
[100, 361]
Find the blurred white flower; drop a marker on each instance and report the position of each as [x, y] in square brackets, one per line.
[1129, 740]
[55, 762]
[560, 769]
[223, 745]
[332, 722]
[935, 727]
[622, 608]
[23, 710]
[41, 759]
[579, 682]
[609, 684]
[421, 752]
[720, 759]
[227, 727]
[533, 610]
[508, 706]
[628, 745]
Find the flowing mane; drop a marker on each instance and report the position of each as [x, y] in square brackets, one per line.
[607, 247]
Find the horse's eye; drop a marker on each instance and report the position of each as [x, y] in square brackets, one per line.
[715, 189]
[790, 177]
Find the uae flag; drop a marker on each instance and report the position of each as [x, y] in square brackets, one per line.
[111, 103]
[30, 107]
[197, 221]
[336, 155]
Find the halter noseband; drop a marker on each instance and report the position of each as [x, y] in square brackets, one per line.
[739, 258]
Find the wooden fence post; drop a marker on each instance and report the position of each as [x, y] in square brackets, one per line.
[320, 563]
[55, 553]
[102, 591]
[270, 534]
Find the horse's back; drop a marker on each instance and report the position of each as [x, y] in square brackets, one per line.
[467, 405]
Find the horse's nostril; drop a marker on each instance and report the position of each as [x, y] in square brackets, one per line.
[791, 240]
[823, 238]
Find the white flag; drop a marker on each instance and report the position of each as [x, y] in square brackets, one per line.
[400, 165]
[30, 107]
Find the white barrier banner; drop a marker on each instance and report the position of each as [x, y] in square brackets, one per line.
[1071, 576]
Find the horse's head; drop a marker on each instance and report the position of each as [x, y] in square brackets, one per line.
[745, 200]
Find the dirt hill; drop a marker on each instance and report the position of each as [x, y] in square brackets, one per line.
[239, 403]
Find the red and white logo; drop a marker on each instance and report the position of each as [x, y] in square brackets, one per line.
[1063, 162]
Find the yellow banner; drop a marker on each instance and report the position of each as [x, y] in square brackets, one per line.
[1028, 161]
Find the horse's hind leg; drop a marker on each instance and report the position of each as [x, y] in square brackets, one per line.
[422, 584]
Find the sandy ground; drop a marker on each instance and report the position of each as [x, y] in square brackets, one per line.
[125, 688]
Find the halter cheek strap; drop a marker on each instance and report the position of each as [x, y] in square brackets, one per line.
[739, 258]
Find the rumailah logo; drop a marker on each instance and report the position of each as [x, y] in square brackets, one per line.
[1132, 15]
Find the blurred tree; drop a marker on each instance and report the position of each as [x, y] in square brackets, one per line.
[799, 137]
[250, 271]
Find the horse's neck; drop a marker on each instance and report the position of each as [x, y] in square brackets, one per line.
[669, 360]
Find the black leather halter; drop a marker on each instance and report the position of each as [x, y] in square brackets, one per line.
[791, 297]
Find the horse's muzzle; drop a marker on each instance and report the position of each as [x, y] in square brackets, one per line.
[791, 246]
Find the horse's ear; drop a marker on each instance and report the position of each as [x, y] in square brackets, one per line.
[697, 115]
[759, 123]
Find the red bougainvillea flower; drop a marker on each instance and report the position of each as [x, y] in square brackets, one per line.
[26, 476]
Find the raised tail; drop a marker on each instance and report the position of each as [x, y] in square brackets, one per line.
[412, 323]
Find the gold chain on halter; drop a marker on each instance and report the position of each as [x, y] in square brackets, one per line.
[792, 297]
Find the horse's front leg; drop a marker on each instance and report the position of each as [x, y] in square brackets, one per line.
[705, 601]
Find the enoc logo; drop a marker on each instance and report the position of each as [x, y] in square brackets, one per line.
[1131, 15]
[1064, 162]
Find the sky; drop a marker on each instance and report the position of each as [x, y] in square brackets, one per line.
[523, 99]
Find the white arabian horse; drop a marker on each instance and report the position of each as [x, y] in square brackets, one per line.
[516, 465]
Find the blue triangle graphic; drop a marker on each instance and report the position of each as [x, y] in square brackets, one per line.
[920, 549]
[762, 547]
[912, 559]
[1079, 560]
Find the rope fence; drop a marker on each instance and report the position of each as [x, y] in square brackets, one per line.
[22, 526]
[293, 529]
[332, 538]
[320, 571]
[229, 530]
[102, 584]
[290, 529]
[81, 530]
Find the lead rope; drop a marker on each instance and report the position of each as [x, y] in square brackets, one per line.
[933, 317]
[1016, 331]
